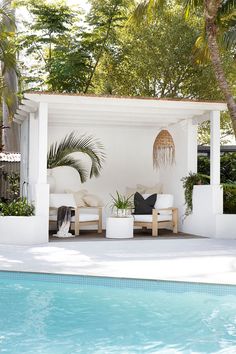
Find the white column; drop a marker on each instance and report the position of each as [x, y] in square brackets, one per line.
[192, 147]
[215, 147]
[42, 142]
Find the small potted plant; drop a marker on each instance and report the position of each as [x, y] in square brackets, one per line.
[122, 205]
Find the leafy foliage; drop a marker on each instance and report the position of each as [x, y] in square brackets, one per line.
[121, 201]
[19, 207]
[60, 154]
[227, 164]
[229, 198]
[228, 178]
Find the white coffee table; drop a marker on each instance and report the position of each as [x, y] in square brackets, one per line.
[120, 227]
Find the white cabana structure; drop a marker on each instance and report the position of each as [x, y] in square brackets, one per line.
[127, 127]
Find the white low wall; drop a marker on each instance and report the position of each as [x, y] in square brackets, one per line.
[226, 226]
[207, 218]
[22, 230]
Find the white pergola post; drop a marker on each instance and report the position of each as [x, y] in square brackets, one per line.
[41, 186]
[42, 142]
[215, 147]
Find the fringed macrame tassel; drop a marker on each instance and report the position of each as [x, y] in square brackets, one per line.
[163, 150]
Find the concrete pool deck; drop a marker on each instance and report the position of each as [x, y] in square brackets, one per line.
[197, 260]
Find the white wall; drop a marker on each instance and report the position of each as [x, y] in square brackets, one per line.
[128, 161]
[185, 139]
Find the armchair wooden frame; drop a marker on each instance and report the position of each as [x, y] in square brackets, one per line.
[75, 225]
[155, 224]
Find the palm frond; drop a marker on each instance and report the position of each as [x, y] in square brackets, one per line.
[228, 8]
[229, 38]
[191, 6]
[146, 10]
[58, 152]
[201, 53]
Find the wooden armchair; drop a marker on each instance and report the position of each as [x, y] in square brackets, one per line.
[81, 218]
[164, 215]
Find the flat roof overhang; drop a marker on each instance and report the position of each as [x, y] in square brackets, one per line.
[78, 109]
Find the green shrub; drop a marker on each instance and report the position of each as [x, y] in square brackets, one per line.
[19, 207]
[229, 198]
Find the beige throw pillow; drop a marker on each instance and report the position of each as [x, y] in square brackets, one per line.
[150, 190]
[78, 196]
[92, 200]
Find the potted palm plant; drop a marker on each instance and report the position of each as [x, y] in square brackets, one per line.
[60, 155]
[122, 204]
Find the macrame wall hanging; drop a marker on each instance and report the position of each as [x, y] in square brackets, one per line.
[163, 150]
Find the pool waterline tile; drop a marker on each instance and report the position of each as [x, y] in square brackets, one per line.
[116, 282]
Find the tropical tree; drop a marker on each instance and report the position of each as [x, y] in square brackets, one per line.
[60, 154]
[217, 15]
[104, 17]
[157, 61]
[9, 80]
[51, 39]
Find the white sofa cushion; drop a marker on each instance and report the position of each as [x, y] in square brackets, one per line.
[148, 218]
[57, 200]
[82, 217]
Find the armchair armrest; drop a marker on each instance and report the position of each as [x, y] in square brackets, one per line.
[163, 209]
[89, 207]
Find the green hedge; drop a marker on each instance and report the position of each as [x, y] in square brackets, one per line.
[229, 198]
[227, 177]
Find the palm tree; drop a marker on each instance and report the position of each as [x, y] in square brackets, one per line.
[217, 14]
[59, 154]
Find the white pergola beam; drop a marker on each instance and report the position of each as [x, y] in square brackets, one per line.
[127, 102]
[28, 109]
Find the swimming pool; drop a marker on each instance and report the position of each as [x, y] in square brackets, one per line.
[56, 314]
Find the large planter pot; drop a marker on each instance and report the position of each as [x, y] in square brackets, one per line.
[23, 230]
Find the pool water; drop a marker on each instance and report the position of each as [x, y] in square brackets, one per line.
[70, 314]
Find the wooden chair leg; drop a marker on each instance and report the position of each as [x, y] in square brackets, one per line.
[154, 223]
[100, 220]
[76, 221]
[175, 221]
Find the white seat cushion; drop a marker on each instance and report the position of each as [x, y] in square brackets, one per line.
[148, 218]
[82, 217]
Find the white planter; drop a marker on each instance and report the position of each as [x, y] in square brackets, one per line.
[22, 230]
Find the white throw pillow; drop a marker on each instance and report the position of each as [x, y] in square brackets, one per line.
[92, 200]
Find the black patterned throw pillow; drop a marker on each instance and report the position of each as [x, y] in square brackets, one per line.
[144, 206]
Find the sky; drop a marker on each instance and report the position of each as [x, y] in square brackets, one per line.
[82, 3]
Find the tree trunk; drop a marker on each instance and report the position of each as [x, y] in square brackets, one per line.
[11, 136]
[211, 9]
[102, 47]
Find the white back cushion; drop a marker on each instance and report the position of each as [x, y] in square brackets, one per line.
[164, 201]
[57, 200]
